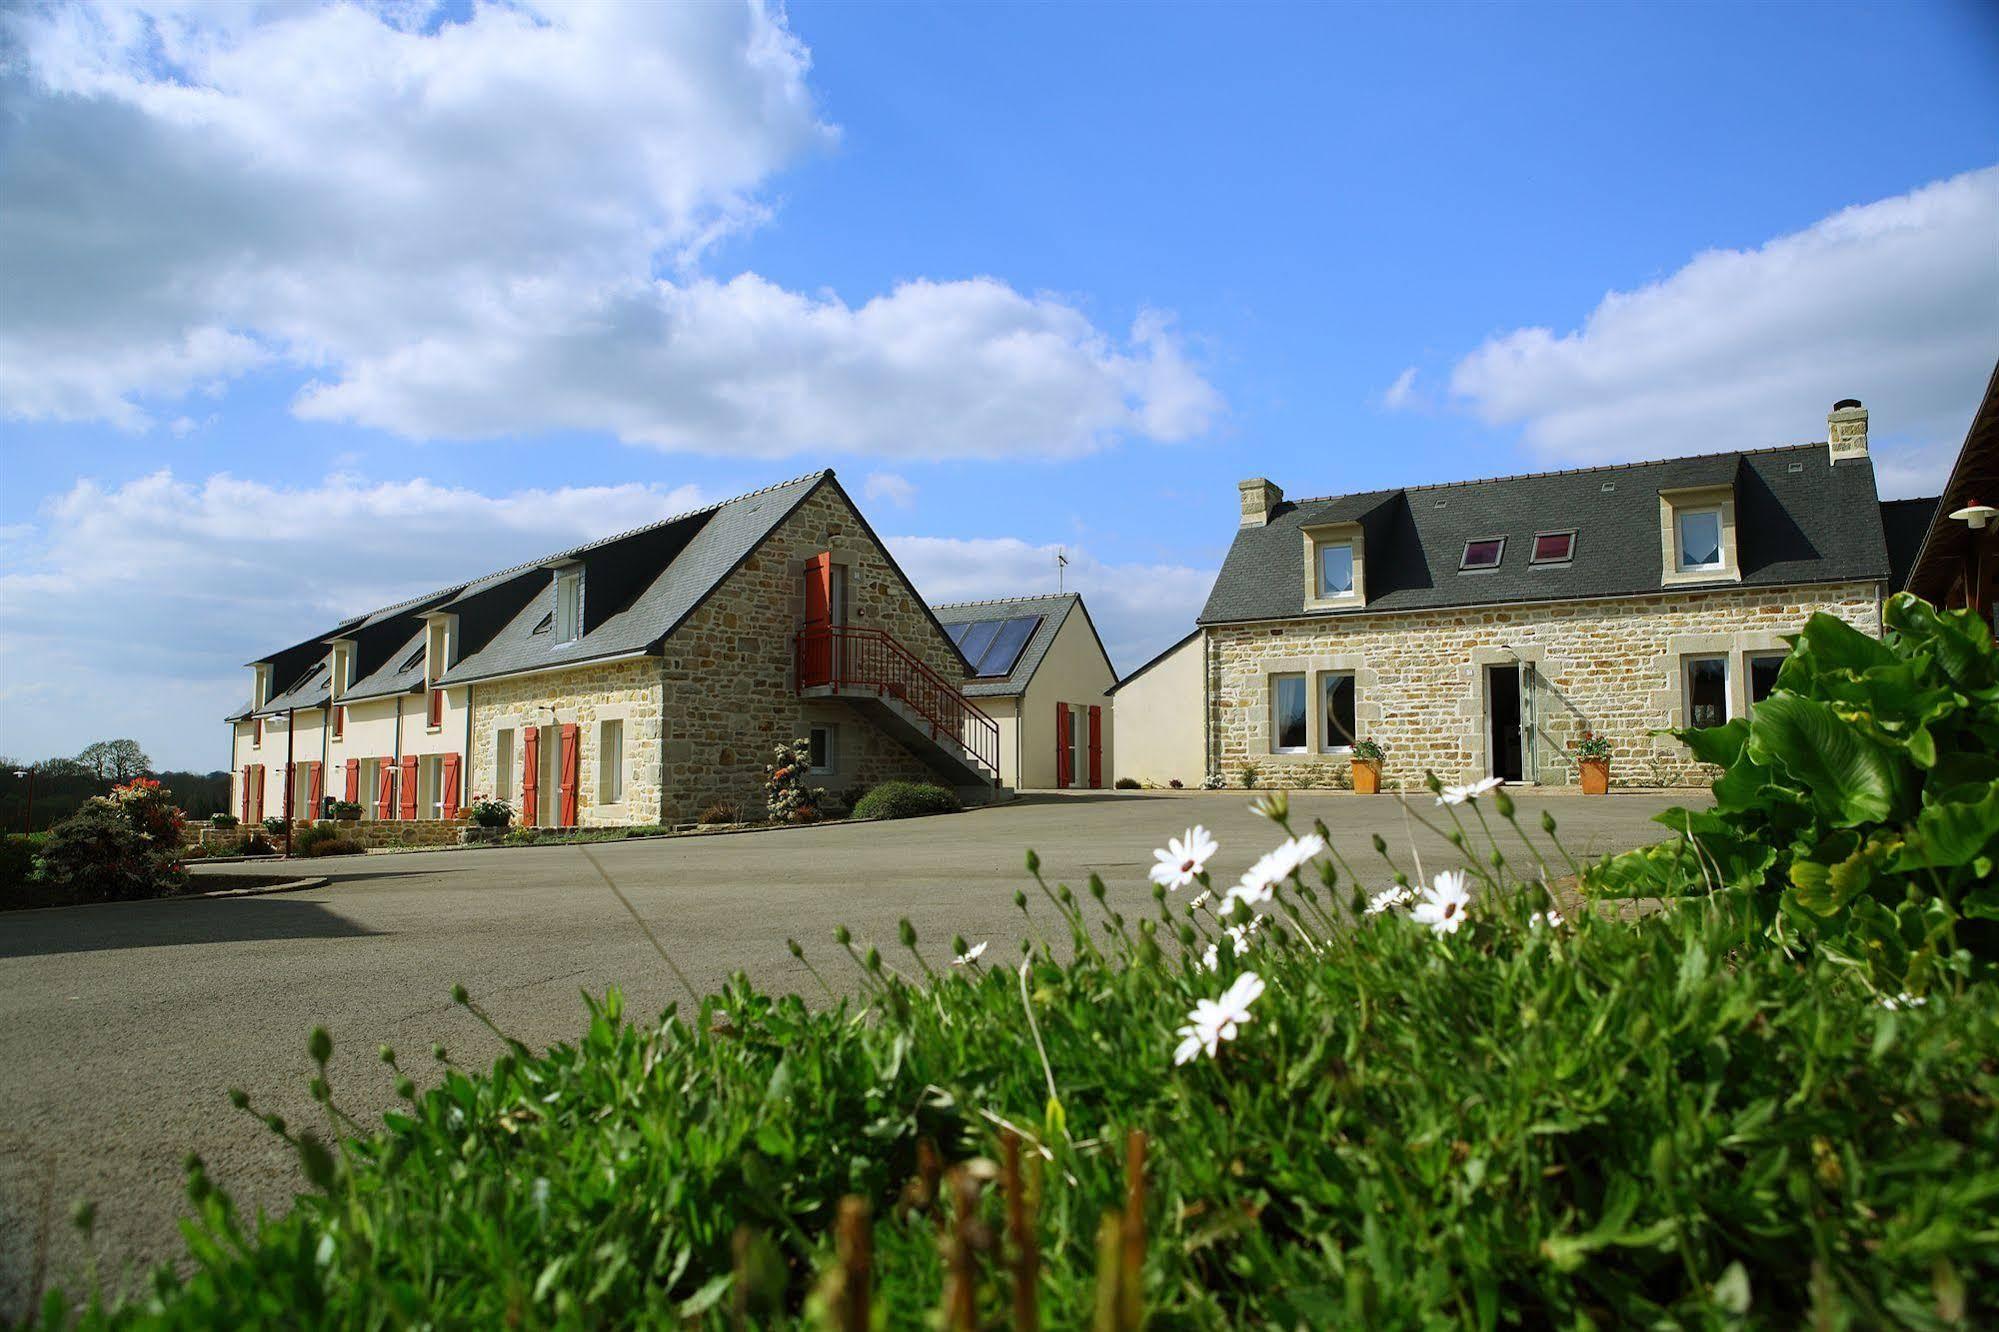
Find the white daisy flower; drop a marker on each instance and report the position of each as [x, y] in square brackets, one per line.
[1260, 880]
[1202, 897]
[1903, 1000]
[1457, 795]
[1386, 898]
[1213, 1021]
[970, 955]
[1183, 858]
[1551, 918]
[1444, 903]
[1239, 937]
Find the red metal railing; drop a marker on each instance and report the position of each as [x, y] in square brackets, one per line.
[851, 657]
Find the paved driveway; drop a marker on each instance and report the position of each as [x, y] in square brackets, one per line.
[122, 1026]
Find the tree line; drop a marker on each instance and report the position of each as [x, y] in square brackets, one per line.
[61, 785]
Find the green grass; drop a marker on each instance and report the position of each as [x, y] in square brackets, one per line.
[1660, 1121]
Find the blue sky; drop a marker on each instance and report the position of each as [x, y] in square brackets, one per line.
[313, 310]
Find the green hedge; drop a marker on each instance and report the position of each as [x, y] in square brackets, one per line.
[905, 800]
[1595, 1123]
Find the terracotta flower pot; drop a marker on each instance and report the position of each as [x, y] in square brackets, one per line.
[1596, 776]
[1366, 777]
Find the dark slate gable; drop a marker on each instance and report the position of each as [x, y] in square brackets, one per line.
[1818, 523]
[1905, 523]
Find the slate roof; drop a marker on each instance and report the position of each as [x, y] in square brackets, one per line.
[638, 587]
[1054, 608]
[1904, 523]
[1800, 518]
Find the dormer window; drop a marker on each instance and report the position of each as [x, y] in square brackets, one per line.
[411, 662]
[568, 605]
[1553, 548]
[1482, 553]
[1336, 569]
[1700, 539]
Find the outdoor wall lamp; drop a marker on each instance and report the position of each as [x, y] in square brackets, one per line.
[1975, 515]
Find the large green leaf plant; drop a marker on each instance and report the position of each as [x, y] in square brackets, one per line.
[1858, 807]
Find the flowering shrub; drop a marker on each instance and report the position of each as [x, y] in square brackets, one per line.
[1591, 746]
[222, 820]
[490, 813]
[1214, 781]
[115, 848]
[346, 809]
[786, 796]
[150, 808]
[1379, 1101]
[275, 825]
[1367, 751]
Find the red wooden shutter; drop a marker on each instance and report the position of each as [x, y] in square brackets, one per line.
[353, 796]
[1062, 774]
[1096, 746]
[258, 737]
[530, 776]
[436, 707]
[385, 789]
[451, 786]
[567, 790]
[815, 638]
[318, 792]
[409, 787]
[246, 793]
[257, 800]
[340, 721]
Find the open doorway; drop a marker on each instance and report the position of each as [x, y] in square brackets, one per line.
[1502, 706]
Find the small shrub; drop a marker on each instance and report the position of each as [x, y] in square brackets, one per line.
[1367, 751]
[852, 795]
[1214, 781]
[906, 800]
[275, 825]
[336, 845]
[1174, 783]
[1248, 775]
[639, 830]
[1127, 784]
[490, 813]
[721, 811]
[224, 821]
[256, 844]
[97, 855]
[786, 796]
[195, 852]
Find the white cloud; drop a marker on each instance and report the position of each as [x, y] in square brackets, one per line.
[130, 610]
[1139, 609]
[492, 227]
[1402, 393]
[891, 487]
[1894, 302]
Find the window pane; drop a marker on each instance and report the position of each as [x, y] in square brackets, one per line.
[611, 762]
[1707, 691]
[1763, 676]
[503, 767]
[1339, 711]
[1006, 647]
[1335, 570]
[1482, 554]
[1287, 711]
[977, 639]
[1700, 539]
[822, 749]
[1552, 546]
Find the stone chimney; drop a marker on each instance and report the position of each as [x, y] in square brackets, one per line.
[1260, 499]
[1846, 429]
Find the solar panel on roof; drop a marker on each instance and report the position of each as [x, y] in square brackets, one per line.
[957, 631]
[978, 637]
[1007, 645]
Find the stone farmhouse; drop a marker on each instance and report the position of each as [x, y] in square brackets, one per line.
[1041, 672]
[635, 680]
[1480, 628]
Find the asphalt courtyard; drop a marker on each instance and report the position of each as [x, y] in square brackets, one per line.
[122, 1026]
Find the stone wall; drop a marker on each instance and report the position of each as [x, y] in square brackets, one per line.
[369, 833]
[626, 691]
[1612, 666]
[727, 672]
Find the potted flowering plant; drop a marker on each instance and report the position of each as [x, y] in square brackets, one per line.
[1593, 757]
[222, 821]
[1366, 767]
[347, 811]
[490, 813]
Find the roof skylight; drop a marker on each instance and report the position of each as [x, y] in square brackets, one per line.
[1483, 553]
[1554, 547]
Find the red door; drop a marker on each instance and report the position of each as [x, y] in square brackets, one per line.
[353, 796]
[451, 786]
[1096, 746]
[1063, 777]
[815, 636]
[409, 787]
[530, 777]
[567, 790]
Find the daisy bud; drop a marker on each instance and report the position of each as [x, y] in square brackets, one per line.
[197, 1186]
[1033, 862]
[438, 1052]
[843, 936]
[459, 995]
[1547, 823]
[275, 1123]
[1496, 858]
[1380, 845]
[1456, 839]
[1020, 899]
[1096, 887]
[1503, 802]
[1159, 892]
[388, 1055]
[320, 1046]
[192, 1164]
[239, 1098]
[406, 1089]
[907, 931]
[796, 951]
[1187, 936]
[874, 959]
[1430, 780]
[1063, 895]
[320, 1091]
[958, 945]
[84, 1216]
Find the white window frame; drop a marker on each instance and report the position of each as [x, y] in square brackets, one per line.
[614, 770]
[568, 612]
[1319, 552]
[1680, 517]
[503, 765]
[1325, 720]
[828, 751]
[1276, 681]
[1687, 663]
[1534, 549]
[1498, 556]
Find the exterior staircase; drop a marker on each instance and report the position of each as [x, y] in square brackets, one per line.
[872, 672]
